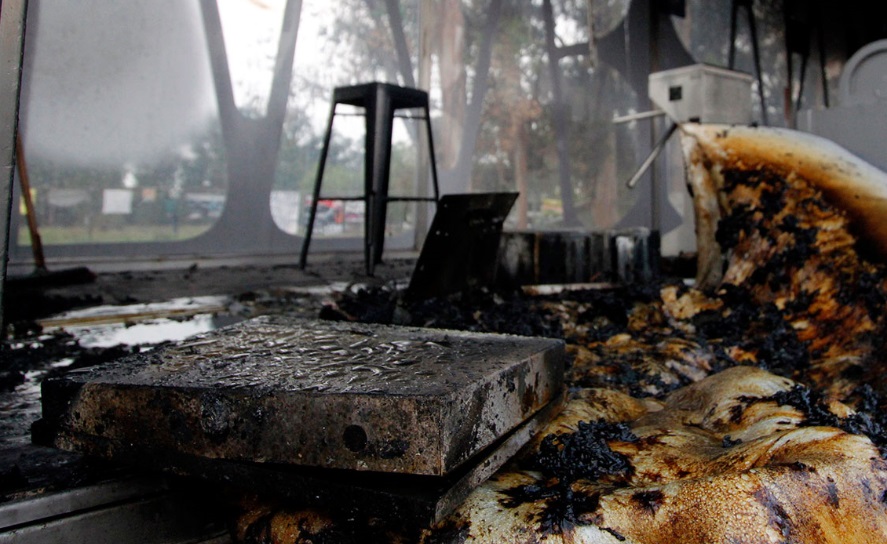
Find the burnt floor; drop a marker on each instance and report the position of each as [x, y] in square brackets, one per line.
[54, 328]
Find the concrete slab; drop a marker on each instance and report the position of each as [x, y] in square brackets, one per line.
[287, 391]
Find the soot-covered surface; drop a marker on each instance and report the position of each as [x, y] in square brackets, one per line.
[309, 393]
[41, 344]
[643, 340]
[797, 299]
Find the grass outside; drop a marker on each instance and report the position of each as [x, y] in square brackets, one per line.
[121, 234]
[51, 235]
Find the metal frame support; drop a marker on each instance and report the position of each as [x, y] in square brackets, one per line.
[13, 14]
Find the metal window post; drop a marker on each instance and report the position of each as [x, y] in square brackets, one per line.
[12, 37]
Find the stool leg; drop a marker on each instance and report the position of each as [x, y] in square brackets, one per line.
[303, 258]
[369, 154]
[431, 155]
[380, 119]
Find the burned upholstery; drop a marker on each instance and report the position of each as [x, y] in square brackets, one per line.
[724, 460]
[745, 454]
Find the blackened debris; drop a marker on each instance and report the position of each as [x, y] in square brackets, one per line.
[642, 380]
[731, 324]
[606, 305]
[832, 491]
[870, 417]
[798, 466]
[608, 310]
[776, 272]
[810, 403]
[746, 217]
[393, 449]
[333, 529]
[867, 286]
[772, 187]
[649, 500]
[479, 310]
[564, 507]
[527, 493]
[853, 372]
[780, 351]
[10, 379]
[615, 533]
[868, 420]
[762, 329]
[728, 442]
[866, 399]
[450, 532]
[804, 238]
[565, 458]
[735, 225]
[584, 453]
[779, 517]
[28, 354]
[368, 305]
[773, 197]
[259, 531]
[801, 302]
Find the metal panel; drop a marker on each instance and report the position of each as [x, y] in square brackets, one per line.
[703, 93]
[624, 256]
[858, 122]
[167, 518]
[462, 246]
[52, 505]
[12, 36]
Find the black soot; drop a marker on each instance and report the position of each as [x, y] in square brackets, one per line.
[565, 458]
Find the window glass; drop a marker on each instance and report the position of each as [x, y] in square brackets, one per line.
[124, 141]
[119, 123]
[251, 29]
[339, 44]
[509, 122]
[709, 43]
[500, 121]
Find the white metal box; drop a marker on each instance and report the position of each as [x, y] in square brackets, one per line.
[702, 93]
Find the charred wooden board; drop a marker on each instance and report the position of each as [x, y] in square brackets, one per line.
[309, 393]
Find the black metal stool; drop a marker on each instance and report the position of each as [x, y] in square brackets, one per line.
[379, 101]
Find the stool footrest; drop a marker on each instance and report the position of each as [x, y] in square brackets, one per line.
[399, 116]
[342, 198]
[389, 199]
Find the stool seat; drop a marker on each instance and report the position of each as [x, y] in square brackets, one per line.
[361, 95]
[380, 102]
